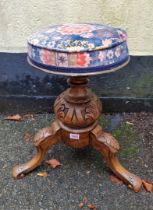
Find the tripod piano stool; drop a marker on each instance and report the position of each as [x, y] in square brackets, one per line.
[78, 51]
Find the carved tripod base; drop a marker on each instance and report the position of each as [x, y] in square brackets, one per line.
[77, 110]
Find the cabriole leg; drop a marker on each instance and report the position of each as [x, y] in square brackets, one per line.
[109, 147]
[44, 139]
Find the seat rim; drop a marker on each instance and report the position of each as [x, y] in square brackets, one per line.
[41, 67]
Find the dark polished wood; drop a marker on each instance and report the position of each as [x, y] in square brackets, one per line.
[77, 111]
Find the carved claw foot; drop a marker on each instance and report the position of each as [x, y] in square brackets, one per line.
[44, 139]
[108, 146]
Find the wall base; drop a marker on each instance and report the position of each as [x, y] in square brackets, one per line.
[28, 90]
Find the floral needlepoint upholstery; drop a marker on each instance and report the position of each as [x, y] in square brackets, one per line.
[78, 49]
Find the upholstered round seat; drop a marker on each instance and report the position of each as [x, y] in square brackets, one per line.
[78, 49]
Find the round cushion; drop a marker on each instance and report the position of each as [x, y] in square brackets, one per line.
[78, 49]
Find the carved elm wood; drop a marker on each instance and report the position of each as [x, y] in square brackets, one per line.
[77, 111]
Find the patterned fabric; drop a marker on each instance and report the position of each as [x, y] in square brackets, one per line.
[78, 46]
[78, 37]
[76, 60]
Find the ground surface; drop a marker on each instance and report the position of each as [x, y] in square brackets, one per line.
[83, 173]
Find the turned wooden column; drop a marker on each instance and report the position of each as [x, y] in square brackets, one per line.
[77, 107]
[77, 110]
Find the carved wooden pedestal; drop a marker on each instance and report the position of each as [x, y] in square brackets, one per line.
[77, 110]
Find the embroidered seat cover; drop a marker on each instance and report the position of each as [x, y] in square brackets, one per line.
[78, 49]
